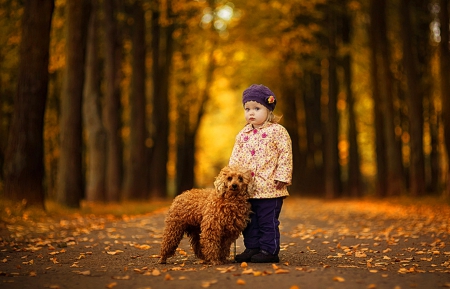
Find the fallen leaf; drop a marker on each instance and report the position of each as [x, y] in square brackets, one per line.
[244, 264]
[281, 271]
[111, 285]
[114, 252]
[359, 254]
[156, 272]
[168, 277]
[338, 279]
[126, 277]
[240, 282]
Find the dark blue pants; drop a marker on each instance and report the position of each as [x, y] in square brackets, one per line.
[263, 230]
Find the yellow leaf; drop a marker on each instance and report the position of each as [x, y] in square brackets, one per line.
[143, 247]
[257, 273]
[168, 277]
[33, 274]
[114, 252]
[240, 282]
[126, 277]
[371, 286]
[274, 267]
[281, 271]
[111, 285]
[359, 254]
[338, 279]
[294, 287]
[244, 264]
[156, 272]
[248, 271]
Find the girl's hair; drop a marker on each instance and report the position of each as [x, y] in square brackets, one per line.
[273, 118]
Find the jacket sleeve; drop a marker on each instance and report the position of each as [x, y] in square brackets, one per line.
[283, 171]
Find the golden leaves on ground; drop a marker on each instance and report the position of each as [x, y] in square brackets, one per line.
[385, 236]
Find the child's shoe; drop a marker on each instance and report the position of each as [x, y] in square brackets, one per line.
[246, 256]
[264, 257]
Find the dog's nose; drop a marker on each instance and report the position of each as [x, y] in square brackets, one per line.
[234, 186]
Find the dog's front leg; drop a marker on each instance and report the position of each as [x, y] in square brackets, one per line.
[210, 241]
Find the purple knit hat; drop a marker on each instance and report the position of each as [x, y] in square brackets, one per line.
[261, 94]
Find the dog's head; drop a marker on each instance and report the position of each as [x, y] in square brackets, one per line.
[234, 180]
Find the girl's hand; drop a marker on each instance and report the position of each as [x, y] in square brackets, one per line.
[280, 185]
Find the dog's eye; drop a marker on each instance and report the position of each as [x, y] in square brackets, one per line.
[229, 178]
[241, 179]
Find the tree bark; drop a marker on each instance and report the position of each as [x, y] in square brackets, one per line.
[313, 178]
[355, 188]
[394, 170]
[331, 153]
[162, 59]
[24, 168]
[111, 113]
[96, 134]
[415, 105]
[70, 182]
[445, 81]
[380, 149]
[135, 180]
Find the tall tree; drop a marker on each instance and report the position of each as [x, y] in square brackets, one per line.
[354, 172]
[380, 149]
[162, 49]
[92, 118]
[70, 182]
[111, 113]
[330, 117]
[384, 81]
[24, 168]
[414, 100]
[135, 180]
[445, 79]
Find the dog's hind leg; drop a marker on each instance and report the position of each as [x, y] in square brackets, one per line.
[194, 235]
[173, 233]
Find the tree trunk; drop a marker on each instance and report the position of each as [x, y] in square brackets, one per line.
[313, 180]
[162, 58]
[380, 149]
[111, 114]
[331, 153]
[415, 105]
[96, 134]
[135, 180]
[70, 184]
[394, 170]
[24, 168]
[355, 188]
[445, 81]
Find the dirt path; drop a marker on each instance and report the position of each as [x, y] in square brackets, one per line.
[339, 244]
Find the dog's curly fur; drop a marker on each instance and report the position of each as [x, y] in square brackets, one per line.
[211, 218]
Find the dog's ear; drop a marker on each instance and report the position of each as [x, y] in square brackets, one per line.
[248, 176]
[219, 183]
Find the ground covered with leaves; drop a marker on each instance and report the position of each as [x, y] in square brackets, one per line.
[325, 244]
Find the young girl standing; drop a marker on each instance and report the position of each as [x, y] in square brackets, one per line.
[264, 147]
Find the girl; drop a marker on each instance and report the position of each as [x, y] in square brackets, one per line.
[264, 147]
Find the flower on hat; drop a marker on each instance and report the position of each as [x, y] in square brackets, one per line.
[271, 99]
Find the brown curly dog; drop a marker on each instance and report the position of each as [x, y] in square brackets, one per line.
[211, 218]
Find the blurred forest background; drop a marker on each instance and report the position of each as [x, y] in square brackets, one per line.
[111, 100]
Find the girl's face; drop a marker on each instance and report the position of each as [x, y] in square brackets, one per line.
[255, 113]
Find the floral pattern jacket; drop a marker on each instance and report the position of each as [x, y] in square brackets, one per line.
[267, 152]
